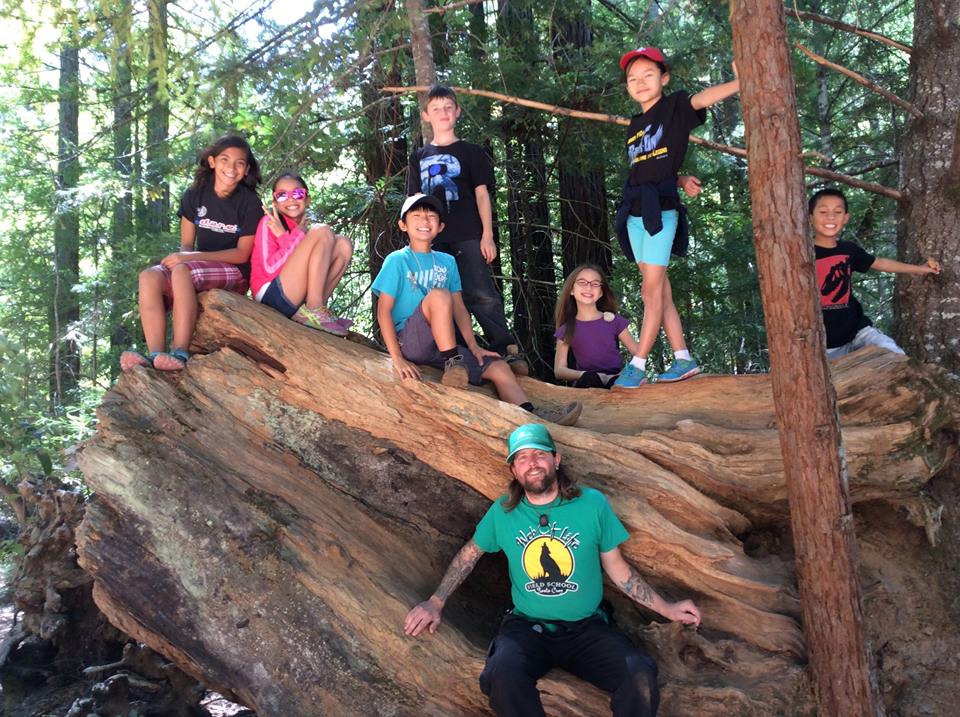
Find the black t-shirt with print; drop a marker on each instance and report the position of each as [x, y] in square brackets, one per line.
[452, 173]
[657, 139]
[221, 221]
[843, 316]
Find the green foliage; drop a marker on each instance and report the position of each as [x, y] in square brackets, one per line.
[306, 91]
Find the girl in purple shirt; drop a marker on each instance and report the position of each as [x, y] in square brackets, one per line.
[588, 324]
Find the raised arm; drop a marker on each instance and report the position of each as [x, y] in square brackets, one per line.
[930, 266]
[625, 577]
[426, 615]
[712, 95]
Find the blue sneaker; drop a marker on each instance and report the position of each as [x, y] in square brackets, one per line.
[630, 377]
[679, 370]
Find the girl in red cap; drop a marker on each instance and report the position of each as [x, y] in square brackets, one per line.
[651, 221]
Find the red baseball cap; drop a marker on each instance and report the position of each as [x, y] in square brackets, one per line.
[651, 53]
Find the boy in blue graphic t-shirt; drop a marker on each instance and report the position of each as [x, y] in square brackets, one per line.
[420, 307]
[460, 175]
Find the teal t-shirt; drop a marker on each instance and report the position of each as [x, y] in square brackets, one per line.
[555, 571]
[408, 277]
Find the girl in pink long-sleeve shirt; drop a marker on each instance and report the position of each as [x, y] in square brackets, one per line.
[294, 269]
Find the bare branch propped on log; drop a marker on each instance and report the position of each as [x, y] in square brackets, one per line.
[824, 20]
[624, 121]
[860, 79]
[441, 9]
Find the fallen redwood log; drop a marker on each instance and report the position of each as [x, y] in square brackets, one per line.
[266, 518]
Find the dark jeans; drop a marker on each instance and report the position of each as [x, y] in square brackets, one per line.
[480, 293]
[524, 651]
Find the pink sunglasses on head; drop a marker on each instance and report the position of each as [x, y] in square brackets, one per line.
[298, 193]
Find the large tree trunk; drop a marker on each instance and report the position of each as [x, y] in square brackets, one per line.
[156, 209]
[583, 194]
[64, 301]
[266, 518]
[384, 154]
[807, 417]
[927, 308]
[121, 223]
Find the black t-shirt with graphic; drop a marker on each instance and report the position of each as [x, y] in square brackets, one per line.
[657, 139]
[843, 316]
[221, 221]
[452, 173]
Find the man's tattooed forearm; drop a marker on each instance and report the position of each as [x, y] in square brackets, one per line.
[637, 588]
[459, 569]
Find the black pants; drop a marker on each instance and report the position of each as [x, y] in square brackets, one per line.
[594, 651]
[480, 293]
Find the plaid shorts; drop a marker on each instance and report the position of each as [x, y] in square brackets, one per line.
[205, 275]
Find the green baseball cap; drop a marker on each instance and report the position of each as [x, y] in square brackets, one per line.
[530, 435]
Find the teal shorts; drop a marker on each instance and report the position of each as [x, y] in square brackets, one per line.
[653, 249]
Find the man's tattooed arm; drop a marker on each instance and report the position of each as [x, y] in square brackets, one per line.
[626, 577]
[426, 615]
[460, 567]
[638, 590]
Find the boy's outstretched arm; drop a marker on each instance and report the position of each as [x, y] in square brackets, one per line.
[930, 266]
[712, 95]
[426, 615]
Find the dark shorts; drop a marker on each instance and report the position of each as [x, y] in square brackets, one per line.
[417, 346]
[276, 299]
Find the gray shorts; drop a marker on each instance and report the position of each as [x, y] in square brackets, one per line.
[417, 346]
[867, 336]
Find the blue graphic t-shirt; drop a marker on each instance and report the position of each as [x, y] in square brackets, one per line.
[452, 173]
[555, 571]
[657, 139]
[409, 276]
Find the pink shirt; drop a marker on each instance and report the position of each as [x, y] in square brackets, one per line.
[270, 253]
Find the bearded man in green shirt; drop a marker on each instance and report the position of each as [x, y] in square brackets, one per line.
[556, 536]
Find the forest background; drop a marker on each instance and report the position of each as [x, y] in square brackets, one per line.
[104, 106]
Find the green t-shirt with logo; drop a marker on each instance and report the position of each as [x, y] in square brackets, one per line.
[555, 571]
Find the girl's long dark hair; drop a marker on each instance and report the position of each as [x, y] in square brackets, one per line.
[204, 174]
[566, 311]
[568, 490]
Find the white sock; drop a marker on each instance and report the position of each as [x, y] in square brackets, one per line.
[640, 363]
[682, 355]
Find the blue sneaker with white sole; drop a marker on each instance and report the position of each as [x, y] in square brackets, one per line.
[679, 370]
[630, 377]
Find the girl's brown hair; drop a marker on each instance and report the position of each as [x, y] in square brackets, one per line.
[566, 311]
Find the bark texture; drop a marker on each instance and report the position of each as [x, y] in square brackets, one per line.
[810, 441]
[266, 518]
[928, 308]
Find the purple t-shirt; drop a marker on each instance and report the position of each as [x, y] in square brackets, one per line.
[595, 344]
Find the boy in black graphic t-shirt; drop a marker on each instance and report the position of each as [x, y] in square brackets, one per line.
[846, 326]
[460, 175]
[650, 220]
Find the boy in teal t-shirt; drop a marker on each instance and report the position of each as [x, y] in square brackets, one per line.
[420, 309]
[556, 536]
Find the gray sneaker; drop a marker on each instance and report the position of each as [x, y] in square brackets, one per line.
[455, 373]
[562, 416]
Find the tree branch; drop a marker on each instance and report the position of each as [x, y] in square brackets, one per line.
[624, 121]
[824, 20]
[441, 9]
[898, 101]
